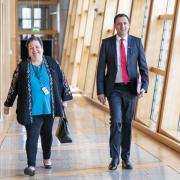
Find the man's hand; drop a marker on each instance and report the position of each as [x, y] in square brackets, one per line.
[141, 93]
[102, 98]
[6, 110]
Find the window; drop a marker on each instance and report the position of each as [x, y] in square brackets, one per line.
[161, 65]
[39, 17]
[26, 18]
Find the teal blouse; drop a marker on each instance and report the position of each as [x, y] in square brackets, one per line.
[39, 80]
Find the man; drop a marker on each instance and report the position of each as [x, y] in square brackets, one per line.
[120, 58]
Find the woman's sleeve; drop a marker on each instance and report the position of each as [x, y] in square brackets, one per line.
[66, 92]
[13, 91]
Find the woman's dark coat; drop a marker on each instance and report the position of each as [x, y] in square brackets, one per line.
[21, 87]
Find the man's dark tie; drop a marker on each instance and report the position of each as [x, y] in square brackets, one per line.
[123, 63]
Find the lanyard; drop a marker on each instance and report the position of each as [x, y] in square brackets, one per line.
[38, 73]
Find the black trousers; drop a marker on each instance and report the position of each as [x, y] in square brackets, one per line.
[42, 125]
[122, 104]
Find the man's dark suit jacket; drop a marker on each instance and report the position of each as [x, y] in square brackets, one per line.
[107, 67]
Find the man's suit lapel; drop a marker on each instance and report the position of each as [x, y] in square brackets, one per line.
[129, 48]
[114, 49]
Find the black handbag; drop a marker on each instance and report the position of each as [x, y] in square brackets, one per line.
[63, 131]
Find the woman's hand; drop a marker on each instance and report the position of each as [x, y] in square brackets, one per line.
[64, 103]
[6, 110]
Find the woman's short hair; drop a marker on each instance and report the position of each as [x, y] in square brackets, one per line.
[34, 38]
[120, 15]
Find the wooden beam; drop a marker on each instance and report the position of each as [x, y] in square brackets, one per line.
[45, 2]
[48, 32]
[157, 136]
[157, 71]
[166, 17]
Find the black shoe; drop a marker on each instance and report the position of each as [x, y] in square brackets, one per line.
[114, 164]
[48, 166]
[30, 170]
[127, 165]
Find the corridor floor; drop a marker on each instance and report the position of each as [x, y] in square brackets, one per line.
[87, 158]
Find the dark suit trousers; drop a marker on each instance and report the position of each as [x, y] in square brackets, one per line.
[42, 125]
[122, 104]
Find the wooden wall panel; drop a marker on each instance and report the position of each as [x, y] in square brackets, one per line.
[70, 39]
[13, 35]
[5, 62]
[136, 26]
[8, 61]
[110, 12]
[94, 49]
[86, 45]
[73, 64]
[108, 28]
[67, 32]
[80, 41]
[124, 6]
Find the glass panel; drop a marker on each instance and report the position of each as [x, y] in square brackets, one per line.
[163, 57]
[26, 24]
[170, 6]
[172, 126]
[150, 115]
[156, 100]
[146, 13]
[171, 112]
[37, 13]
[26, 13]
[41, 16]
[37, 23]
[165, 45]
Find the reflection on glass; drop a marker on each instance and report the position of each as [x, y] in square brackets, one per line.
[37, 23]
[26, 24]
[171, 118]
[170, 6]
[37, 13]
[172, 128]
[165, 45]
[26, 13]
[156, 99]
[146, 13]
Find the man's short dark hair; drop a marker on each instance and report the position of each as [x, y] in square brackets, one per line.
[120, 15]
[34, 38]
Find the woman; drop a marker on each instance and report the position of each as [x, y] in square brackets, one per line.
[42, 92]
